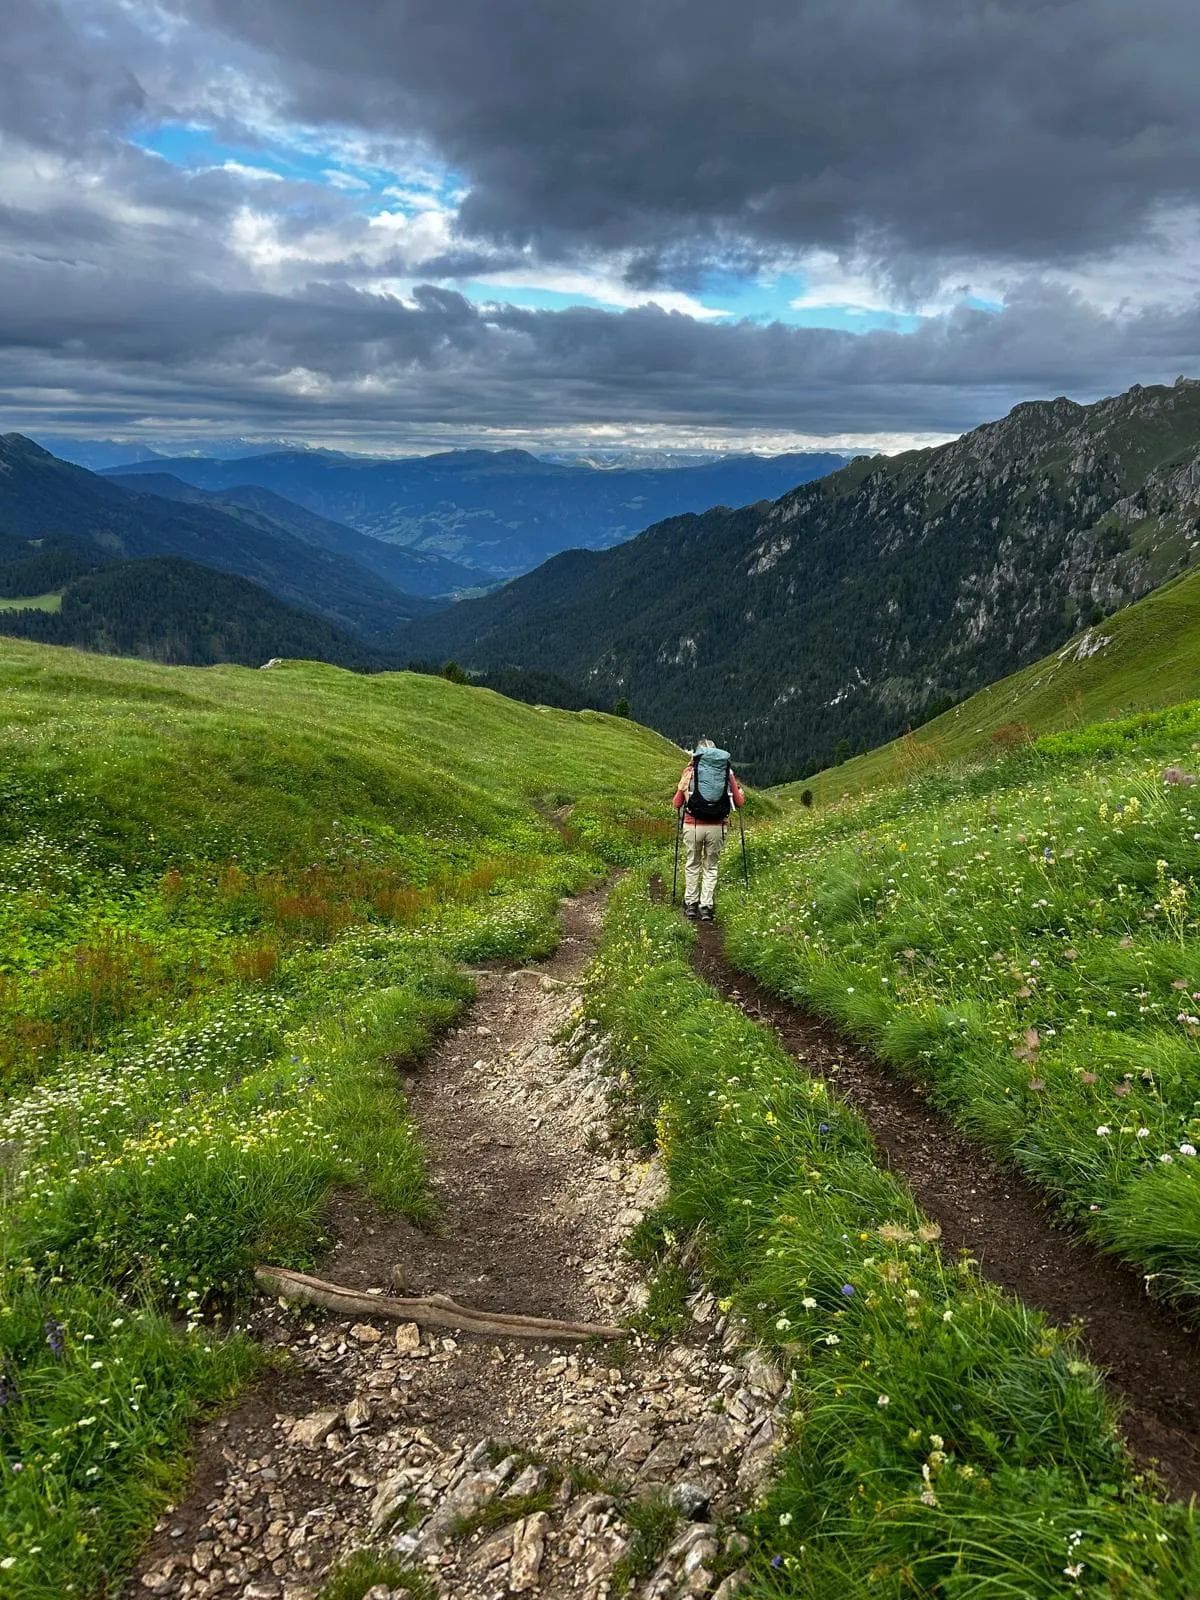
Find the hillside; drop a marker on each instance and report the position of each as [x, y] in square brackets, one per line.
[500, 512]
[413, 571]
[234, 902]
[181, 614]
[45, 502]
[855, 605]
[1141, 659]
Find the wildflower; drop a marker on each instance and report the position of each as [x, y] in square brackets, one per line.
[776, 1561]
[928, 1498]
[785, 1519]
[809, 1303]
[1143, 1133]
[947, 1316]
[1166, 1159]
[884, 1400]
[847, 1289]
[1187, 1149]
[782, 1324]
[824, 1128]
[1073, 1571]
[1103, 1130]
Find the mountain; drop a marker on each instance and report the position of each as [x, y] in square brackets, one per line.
[1142, 659]
[854, 606]
[45, 502]
[413, 571]
[181, 614]
[498, 512]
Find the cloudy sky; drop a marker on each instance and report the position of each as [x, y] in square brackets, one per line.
[401, 224]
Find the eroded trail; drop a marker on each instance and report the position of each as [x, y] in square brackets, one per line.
[477, 1460]
[1152, 1359]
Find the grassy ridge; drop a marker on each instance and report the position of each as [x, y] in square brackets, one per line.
[231, 901]
[1023, 940]
[944, 1440]
[1143, 658]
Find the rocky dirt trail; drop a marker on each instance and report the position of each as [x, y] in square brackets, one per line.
[494, 1467]
[1151, 1357]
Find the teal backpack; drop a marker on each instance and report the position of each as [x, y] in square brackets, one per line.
[708, 795]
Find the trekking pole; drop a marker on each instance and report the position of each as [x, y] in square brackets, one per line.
[745, 862]
[675, 874]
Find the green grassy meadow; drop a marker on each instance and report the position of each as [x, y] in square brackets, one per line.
[230, 900]
[1022, 938]
[1144, 658]
[37, 602]
[943, 1440]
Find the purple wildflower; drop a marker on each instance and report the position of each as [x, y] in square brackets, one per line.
[847, 1288]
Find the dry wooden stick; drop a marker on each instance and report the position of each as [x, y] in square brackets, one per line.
[431, 1310]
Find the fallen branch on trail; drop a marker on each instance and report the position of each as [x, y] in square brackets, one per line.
[430, 1310]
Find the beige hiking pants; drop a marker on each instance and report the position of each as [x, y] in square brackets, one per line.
[703, 841]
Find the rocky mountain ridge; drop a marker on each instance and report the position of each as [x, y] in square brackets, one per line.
[869, 600]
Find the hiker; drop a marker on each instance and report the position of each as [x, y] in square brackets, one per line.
[708, 791]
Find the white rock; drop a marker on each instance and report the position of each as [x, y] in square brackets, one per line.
[312, 1431]
[159, 1578]
[408, 1338]
[365, 1333]
[529, 1545]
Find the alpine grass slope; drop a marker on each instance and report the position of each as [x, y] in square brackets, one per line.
[945, 1441]
[229, 902]
[1021, 936]
[863, 602]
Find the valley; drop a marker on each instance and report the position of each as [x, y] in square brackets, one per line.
[883, 1192]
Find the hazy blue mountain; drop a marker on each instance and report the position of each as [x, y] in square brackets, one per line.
[413, 571]
[499, 512]
[45, 502]
[854, 606]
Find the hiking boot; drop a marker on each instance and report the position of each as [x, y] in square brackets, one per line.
[691, 909]
[706, 913]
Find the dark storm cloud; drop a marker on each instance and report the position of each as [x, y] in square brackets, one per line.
[59, 83]
[655, 139]
[332, 352]
[1016, 130]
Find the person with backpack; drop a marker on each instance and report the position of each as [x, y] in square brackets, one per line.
[708, 792]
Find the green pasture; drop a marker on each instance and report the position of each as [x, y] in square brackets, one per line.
[35, 602]
[1022, 939]
[942, 1440]
[230, 901]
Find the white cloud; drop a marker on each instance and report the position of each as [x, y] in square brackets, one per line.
[602, 284]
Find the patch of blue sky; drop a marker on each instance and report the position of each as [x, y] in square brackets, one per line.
[761, 299]
[194, 148]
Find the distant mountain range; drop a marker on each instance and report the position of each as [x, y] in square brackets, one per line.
[58, 521]
[872, 599]
[499, 513]
[412, 571]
